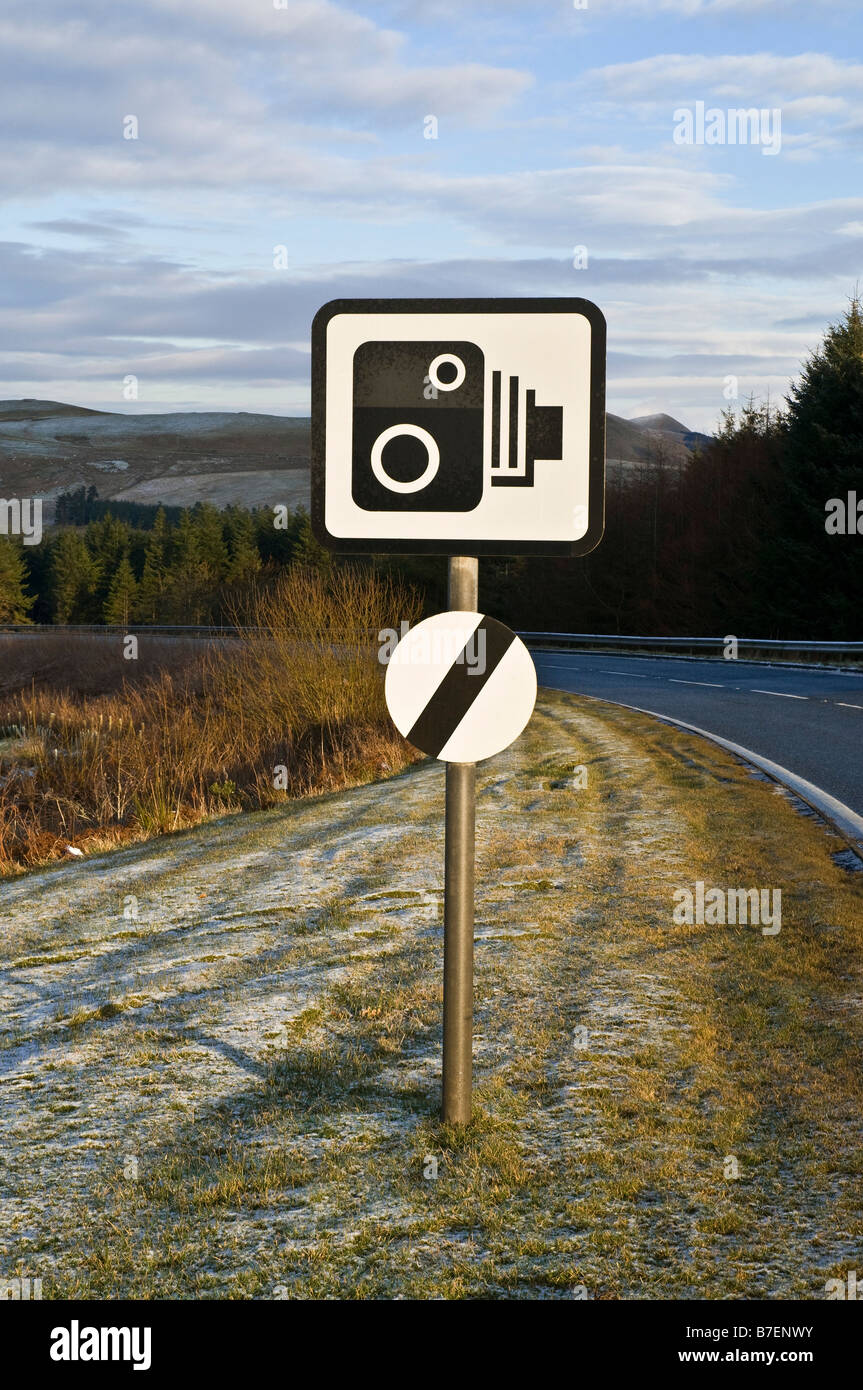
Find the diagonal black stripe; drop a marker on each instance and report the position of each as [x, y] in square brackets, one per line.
[460, 687]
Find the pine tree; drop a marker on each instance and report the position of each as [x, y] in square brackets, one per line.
[188, 596]
[120, 602]
[208, 525]
[245, 559]
[274, 542]
[108, 542]
[151, 587]
[814, 578]
[15, 604]
[308, 550]
[73, 579]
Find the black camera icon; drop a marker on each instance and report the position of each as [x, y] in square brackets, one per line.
[419, 411]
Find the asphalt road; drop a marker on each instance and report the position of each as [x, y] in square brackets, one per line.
[808, 721]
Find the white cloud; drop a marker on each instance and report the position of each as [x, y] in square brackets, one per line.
[198, 73]
[678, 323]
[753, 78]
[256, 122]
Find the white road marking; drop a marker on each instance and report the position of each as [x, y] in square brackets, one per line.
[714, 685]
[845, 705]
[634, 675]
[781, 693]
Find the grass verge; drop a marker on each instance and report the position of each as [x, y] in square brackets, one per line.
[262, 1122]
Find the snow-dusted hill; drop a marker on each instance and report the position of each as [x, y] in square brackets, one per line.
[47, 447]
[184, 457]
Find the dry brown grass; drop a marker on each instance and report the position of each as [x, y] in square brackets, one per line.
[303, 694]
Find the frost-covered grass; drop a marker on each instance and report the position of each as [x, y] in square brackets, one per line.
[221, 1051]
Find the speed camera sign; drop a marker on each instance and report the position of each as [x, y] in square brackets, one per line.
[458, 426]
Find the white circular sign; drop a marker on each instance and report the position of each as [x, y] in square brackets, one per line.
[460, 687]
[449, 359]
[415, 432]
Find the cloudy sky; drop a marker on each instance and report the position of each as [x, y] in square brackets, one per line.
[303, 124]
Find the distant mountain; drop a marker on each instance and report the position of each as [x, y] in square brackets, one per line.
[183, 457]
[224, 457]
[666, 423]
[29, 409]
[644, 442]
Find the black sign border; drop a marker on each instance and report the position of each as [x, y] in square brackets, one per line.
[387, 545]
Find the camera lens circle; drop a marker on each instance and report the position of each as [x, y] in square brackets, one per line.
[396, 432]
[460, 372]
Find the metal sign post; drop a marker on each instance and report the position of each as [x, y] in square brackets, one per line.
[459, 427]
[459, 894]
[460, 686]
